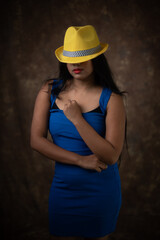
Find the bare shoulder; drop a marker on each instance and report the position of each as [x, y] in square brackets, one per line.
[47, 86]
[116, 113]
[45, 90]
[44, 94]
[116, 102]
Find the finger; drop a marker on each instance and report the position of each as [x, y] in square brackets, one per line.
[72, 101]
[65, 105]
[103, 166]
[98, 169]
[69, 101]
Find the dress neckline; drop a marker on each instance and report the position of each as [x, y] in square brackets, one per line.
[99, 106]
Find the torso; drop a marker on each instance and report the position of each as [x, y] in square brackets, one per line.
[88, 100]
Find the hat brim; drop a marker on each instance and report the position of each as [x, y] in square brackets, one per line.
[64, 59]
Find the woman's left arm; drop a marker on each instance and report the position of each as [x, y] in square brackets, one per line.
[109, 148]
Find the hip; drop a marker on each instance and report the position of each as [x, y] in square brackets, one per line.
[105, 182]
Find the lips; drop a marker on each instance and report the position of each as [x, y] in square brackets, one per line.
[77, 70]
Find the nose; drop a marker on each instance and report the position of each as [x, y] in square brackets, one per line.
[76, 64]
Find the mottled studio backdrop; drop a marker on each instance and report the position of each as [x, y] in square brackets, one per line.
[30, 32]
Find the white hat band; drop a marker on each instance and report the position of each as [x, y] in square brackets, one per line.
[82, 52]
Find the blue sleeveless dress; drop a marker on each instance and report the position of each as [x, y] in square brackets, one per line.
[82, 202]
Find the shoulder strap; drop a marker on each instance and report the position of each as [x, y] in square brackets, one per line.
[56, 82]
[106, 93]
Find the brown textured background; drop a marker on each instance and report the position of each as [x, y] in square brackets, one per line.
[30, 32]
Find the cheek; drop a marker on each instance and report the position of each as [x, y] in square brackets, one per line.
[90, 68]
[69, 68]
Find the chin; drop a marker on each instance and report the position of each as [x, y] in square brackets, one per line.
[81, 76]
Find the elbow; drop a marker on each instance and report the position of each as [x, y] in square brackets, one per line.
[114, 158]
[34, 143]
[111, 160]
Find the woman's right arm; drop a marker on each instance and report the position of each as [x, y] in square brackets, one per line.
[40, 143]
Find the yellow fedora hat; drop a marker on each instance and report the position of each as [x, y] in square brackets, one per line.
[80, 44]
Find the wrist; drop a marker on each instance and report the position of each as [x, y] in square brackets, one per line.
[78, 121]
[79, 160]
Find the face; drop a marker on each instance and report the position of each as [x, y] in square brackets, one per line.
[80, 70]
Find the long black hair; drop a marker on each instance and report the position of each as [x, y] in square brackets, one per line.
[103, 77]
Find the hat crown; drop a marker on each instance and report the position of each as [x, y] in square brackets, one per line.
[80, 38]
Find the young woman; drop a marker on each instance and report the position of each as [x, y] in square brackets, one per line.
[84, 112]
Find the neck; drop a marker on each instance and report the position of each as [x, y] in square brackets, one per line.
[83, 84]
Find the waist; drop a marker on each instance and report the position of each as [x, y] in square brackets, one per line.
[68, 169]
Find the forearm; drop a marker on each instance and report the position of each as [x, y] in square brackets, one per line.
[54, 152]
[98, 145]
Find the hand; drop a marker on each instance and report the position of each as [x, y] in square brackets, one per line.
[92, 162]
[72, 111]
